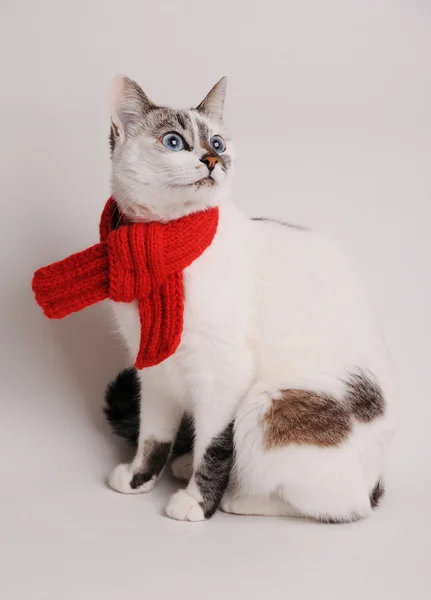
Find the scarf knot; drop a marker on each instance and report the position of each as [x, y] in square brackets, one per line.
[136, 261]
[141, 261]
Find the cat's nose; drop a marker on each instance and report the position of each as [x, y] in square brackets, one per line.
[210, 161]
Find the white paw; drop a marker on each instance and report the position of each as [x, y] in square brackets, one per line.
[184, 507]
[121, 478]
[182, 467]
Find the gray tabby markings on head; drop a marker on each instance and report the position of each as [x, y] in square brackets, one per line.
[135, 114]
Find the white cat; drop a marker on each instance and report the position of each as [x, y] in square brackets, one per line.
[280, 376]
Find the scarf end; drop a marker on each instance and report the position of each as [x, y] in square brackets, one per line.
[145, 362]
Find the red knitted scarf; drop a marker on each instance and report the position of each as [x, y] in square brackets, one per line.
[143, 262]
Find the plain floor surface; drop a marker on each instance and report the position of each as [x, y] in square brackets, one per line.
[329, 106]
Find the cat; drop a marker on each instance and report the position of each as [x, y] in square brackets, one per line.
[278, 398]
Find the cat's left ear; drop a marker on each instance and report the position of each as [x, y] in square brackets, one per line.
[213, 103]
[129, 106]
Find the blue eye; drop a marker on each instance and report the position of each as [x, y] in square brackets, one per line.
[173, 141]
[218, 144]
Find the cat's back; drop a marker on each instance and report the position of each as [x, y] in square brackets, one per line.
[311, 306]
[299, 258]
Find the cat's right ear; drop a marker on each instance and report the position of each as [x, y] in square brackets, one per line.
[129, 106]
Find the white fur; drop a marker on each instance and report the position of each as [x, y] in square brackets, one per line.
[267, 307]
[237, 504]
[120, 479]
[184, 507]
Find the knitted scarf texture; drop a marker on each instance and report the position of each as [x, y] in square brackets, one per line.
[140, 261]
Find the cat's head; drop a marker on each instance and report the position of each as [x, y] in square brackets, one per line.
[167, 163]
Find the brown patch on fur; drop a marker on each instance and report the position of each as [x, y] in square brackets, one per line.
[305, 417]
[364, 397]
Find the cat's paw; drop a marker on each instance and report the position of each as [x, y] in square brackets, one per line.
[237, 505]
[123, 480]
[184, 507]
[182, 467]
[227, 503]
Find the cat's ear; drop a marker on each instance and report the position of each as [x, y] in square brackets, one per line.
[213, 103]
[129, 106]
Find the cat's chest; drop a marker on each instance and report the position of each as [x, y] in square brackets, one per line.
[217, 306]
[217, 326]
[212, 309]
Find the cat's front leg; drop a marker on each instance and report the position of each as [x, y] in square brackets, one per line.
[159, 420]
[212, 462]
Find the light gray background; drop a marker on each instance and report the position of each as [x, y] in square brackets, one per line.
[329, 103]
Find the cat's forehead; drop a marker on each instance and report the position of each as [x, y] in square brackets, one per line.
[185, 121]
[161, 120]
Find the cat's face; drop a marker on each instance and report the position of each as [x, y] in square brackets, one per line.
[167, 163]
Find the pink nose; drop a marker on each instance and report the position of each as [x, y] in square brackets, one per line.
[210, 161]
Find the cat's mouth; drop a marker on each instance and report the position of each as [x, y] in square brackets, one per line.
[205, 181]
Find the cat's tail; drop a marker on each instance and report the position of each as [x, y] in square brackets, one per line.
[122, 405]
